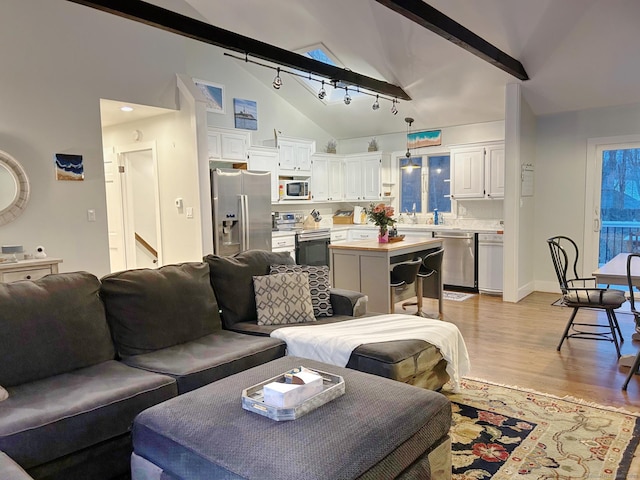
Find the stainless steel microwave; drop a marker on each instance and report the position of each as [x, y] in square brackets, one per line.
[294, 190]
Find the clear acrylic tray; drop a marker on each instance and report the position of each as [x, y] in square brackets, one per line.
[252, 397]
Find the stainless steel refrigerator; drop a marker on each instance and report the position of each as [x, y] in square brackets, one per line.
[241, 203]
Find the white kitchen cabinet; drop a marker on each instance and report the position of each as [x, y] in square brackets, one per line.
[363, 176]
[477, 171]
[494, 171]
[265, 159]
[326, 177]
[295, 156]
[363, 234]
[225, 144]
[339, 236]
[284, 243]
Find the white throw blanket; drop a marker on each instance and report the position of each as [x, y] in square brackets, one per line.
[333, 343]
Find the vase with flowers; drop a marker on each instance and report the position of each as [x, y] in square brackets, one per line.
[382, 216]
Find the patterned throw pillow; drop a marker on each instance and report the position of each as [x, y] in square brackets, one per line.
[283, 298]
[318, 284]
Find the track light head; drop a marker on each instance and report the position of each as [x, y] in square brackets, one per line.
[347, 97]
[376, 104]
[277, 82]
[322, 93]
[394, 107]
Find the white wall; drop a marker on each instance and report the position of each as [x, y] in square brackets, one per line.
[58, 60]
[561, 174]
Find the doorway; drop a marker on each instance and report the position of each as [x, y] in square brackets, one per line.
[133, 207]
[612, 206]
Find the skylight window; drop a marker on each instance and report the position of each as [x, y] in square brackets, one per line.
[314, 82]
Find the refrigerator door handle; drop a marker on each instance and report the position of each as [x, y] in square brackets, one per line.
[244, 223]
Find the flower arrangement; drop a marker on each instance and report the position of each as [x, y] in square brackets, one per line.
[382, 216]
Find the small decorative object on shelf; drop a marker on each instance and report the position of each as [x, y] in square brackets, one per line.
[331, 146]
[373, 145]
[40, 252]
[382, 216]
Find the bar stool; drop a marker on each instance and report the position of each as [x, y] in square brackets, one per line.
[429, 282]
[404, 273]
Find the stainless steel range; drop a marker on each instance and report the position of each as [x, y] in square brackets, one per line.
[312, 247]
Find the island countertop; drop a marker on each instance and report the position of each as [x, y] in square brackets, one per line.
[392, 247]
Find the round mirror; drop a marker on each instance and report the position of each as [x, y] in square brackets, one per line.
[14, 188]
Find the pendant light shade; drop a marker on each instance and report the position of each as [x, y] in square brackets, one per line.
[410, 165]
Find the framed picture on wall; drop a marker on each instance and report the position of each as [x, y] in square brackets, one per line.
[214, 94]
[69, 167]
[428, 138]
[245, 114]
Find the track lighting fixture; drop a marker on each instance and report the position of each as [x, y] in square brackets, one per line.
[347, 97]
[322, 93]
[277, 82]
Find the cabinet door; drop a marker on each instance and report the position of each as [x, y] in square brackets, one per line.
[266, 161]
[303, 158]
[372, 184]
[468, 173]
[335, 179]
[320, 179]
[234, 146]
[494, 180]
[287, 156]
[213, 145]
[352, 179]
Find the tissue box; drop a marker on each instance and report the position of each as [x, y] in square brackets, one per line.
[291, 394]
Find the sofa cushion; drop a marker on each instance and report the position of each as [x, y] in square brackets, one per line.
[283, 298]
[209, 358]
[232, 281]
[150, 309]
[50, 326]
[46, 419]
[319, 285]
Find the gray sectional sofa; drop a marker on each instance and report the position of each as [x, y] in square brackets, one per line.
[82, 356]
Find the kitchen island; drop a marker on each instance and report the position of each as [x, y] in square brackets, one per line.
[364, 266]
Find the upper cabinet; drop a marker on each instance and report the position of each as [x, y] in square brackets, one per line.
[326, 177]
[477, 171]
[265, 159]
[227, 144]
[363, 176]
[295, 156]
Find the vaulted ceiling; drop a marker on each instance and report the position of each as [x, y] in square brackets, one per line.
[578, 54]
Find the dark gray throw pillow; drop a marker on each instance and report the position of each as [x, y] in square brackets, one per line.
[319, 285]
[151, 309]
[232, 281]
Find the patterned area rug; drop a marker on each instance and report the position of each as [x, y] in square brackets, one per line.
[503, 433]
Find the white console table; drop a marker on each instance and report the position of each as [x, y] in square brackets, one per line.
[28, 269]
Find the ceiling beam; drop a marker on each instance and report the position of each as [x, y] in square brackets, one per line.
[436, 21]
[170, 21]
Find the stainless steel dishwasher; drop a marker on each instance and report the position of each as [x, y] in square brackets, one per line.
[460, 262]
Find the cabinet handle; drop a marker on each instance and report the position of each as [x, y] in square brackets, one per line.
[28, 277]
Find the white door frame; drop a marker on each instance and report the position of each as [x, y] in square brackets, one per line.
[128, 216]
[593, 185]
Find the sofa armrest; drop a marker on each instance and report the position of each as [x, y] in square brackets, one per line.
[348, 302]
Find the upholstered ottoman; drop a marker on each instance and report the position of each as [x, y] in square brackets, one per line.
[378, 429]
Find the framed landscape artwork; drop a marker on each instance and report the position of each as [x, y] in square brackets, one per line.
[429, 138]
[69, 167]
[245, 114]
[214, 95]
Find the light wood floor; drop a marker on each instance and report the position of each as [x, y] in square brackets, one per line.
[515, 344]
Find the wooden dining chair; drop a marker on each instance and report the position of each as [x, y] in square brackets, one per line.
[583, 292]
[633, 257]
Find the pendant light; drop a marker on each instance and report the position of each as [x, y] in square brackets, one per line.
[410, 165]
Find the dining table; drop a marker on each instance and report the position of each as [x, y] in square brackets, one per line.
[614, 272]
